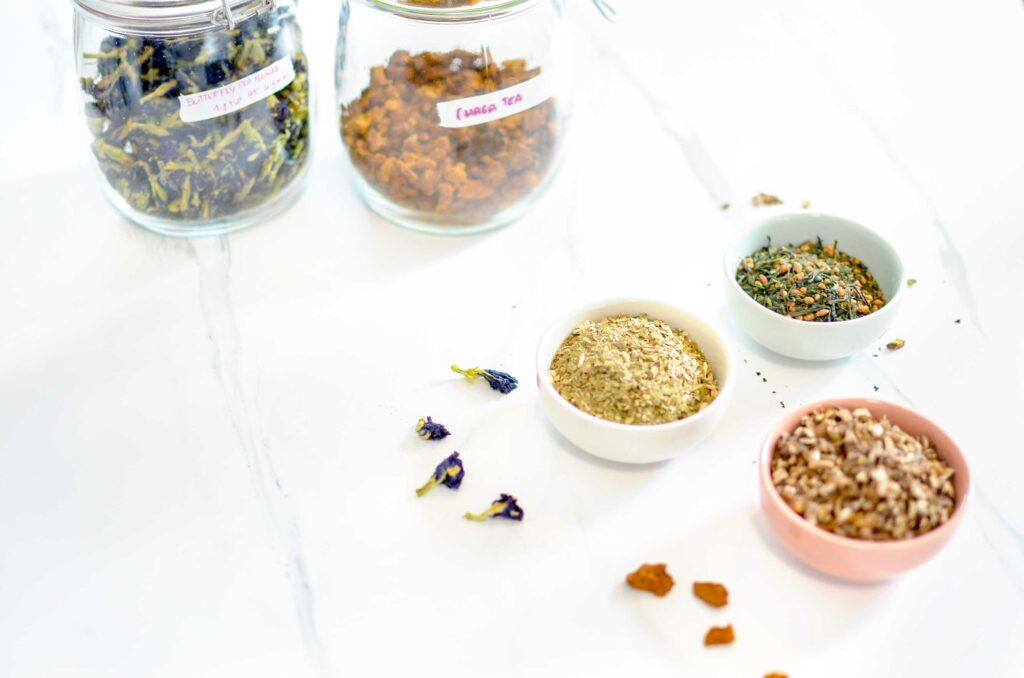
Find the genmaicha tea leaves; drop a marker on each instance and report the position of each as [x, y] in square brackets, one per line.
[810, 281]
[206, 169]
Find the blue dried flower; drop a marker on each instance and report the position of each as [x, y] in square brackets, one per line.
[448, 473]
[428, 429]
[502, 382]
[504, 506]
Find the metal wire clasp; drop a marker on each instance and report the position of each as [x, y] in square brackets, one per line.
[225, 16]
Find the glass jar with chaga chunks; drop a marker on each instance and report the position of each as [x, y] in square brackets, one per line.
[452, 112]
[199, 111]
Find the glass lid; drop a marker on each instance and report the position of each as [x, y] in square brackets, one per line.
[175, 13]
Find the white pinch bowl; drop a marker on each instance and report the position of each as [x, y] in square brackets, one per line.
[806, 340]
[635, 443]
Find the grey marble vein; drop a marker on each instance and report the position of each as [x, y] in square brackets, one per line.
[952, 259]
[213, 259]
[696, 155]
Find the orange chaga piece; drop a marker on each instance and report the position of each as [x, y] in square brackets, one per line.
[719, 635]
[713, 594]
[653, 578]
[775, 675]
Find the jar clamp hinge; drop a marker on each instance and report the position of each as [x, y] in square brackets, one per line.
[225, 16]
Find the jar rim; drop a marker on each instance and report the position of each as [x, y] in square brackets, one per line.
[170, 14]
[482, 9]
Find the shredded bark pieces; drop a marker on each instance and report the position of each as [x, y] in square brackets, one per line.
[861, 477]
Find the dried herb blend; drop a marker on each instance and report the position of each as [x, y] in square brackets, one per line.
[465, 174]
[861, 477]
[208, 169]
[633, 370]
[810, 281]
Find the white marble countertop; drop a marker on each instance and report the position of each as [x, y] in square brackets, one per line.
[208, 460]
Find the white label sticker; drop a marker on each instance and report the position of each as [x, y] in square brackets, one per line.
[239, 94]
[495, 105]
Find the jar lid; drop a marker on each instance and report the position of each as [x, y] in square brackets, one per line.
[455, 9]
[172, 14]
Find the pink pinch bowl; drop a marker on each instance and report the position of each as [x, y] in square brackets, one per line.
[845, 557]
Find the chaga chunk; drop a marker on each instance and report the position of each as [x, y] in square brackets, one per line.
[653, 578]
[713, 594]
[719, 635]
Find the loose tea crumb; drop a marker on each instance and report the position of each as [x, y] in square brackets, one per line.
[763, 199]
[775, 674]
[811, 281]
[911, 282]
[861, 477]
[719, 635]
[713, 594]
[805, 204]
[466, 174]
[652, 578]
[896, 344]
[725, 206]
[957, 321]
[633, 370]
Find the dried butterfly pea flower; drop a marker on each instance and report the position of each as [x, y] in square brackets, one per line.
[713, 594]
[502, 382]
[719, 635]
[505, 506]
[652, 578]
[448, 473]
[163, 166]
[428, 429]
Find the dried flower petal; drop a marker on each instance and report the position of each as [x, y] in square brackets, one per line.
[448, 473]
[719, 635]
[502, 382]
[653, 578]
[428, 429]
[504, 506]
[713, 594]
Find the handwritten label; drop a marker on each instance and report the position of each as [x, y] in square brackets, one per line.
[239, 94]
[495, 105]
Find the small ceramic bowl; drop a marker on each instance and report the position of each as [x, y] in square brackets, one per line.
[849, 558]
[802, 339]
[629, 443]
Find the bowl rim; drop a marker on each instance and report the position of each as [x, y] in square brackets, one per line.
[939, 534]
[543, 364]
[764, 223]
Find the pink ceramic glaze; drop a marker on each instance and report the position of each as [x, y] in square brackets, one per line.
[854, 559]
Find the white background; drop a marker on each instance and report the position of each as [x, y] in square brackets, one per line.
[206, 448]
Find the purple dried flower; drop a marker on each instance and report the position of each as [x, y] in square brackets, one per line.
[448, 473]
[428, 429]
[504, 506]
[503, 382]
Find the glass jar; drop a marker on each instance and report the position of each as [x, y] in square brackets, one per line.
[453, 112]
[199, 110]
